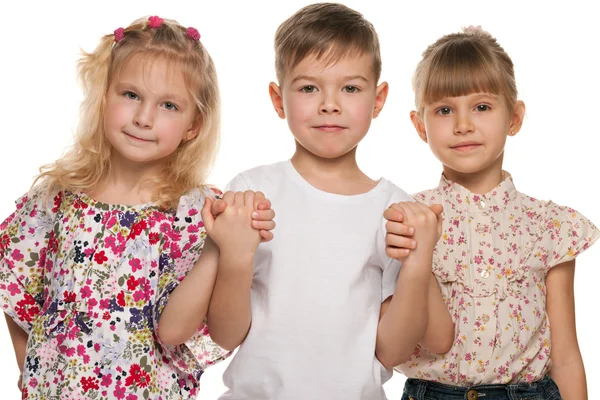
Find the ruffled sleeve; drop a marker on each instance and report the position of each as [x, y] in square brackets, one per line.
[25, 237]
[564, 235]
[183, 244]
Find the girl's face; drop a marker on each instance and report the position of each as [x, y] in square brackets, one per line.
[468, 133]
[149, 111]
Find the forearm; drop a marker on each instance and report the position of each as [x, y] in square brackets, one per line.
[188, 303]
[229, 314]
[19, 339]
[570, 379]
[439, 334]
[404, 321]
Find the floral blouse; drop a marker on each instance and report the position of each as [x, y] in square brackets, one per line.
[491, 264]
[88, 281]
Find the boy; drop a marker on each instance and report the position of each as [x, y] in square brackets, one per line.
[308, 311]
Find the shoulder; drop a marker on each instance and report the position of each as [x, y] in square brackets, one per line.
[393, 192]
[428, 197]
[256, 178]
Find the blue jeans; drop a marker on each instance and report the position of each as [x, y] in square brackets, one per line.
[545, 389]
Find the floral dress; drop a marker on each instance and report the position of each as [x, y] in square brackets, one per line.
[491, 264]
[88, 281]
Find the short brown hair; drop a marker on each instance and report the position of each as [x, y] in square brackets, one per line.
[459, 64]
[327, 31]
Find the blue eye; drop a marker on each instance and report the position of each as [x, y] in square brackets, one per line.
[170, 106]
[308, 89]
[131, 95]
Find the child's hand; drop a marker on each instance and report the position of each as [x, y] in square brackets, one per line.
[409, 224]
[232, 231]
[262, 217]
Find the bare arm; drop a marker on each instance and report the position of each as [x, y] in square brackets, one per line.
[567, 365]
[19, 338]
[439, 335]
[403, 317]
[188, 304]
[229, 314]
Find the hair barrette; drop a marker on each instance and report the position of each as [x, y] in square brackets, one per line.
[473, 29]
[155, 22]
[119, 34]
[193, 33]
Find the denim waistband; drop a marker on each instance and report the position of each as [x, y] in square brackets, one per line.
[416, 389]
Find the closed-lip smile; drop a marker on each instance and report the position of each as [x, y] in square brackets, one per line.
[465, 146]
[329, 127]
[136, 138]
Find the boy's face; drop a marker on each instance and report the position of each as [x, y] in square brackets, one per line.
[329, 108]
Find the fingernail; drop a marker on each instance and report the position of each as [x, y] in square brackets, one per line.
[255, 214]
[411, 230]
[413, 243]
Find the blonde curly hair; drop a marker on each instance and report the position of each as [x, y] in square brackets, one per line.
[87, 162]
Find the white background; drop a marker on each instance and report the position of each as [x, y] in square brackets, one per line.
[555, 156]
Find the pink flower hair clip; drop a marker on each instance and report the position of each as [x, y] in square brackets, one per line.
[119, 34]
[155, 22]
[473, 30]
[192, 33]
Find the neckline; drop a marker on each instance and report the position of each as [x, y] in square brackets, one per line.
[496, 200]
[299, 179]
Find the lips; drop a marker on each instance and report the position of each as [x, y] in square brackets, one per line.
[466, 146]
[137, 139]
[330, 128]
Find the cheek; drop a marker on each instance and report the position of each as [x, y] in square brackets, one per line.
[115, 115]
[297, 109]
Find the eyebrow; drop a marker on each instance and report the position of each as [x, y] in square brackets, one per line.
[312, 78]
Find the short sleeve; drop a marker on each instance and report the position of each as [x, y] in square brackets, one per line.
[566, 233]
[177, 259]
[238, 184]
[391, 267]
[24, 240]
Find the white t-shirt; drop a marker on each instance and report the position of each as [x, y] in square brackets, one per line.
[316, 293]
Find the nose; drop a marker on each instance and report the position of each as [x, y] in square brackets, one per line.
[463, 123]
[329, 104]
[144, 116]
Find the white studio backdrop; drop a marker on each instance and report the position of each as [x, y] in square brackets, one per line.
[555, 156]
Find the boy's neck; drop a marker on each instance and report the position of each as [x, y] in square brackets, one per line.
[338, 176]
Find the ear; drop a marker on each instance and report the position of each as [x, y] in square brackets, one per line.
[416, 120]
[276, 99]
[194, 129]
[517, 117]
[381, 93]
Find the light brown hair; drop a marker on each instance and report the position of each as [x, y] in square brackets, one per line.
[459, 64]
[328, 32]
[87, 163]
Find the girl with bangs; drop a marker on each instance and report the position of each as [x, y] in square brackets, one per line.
[95, 249]
[505, 261]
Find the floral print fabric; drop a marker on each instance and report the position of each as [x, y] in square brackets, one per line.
[88, 281]
[491, 263]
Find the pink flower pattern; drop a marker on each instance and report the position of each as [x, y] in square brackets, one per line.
[87, 281]
[491, 264]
